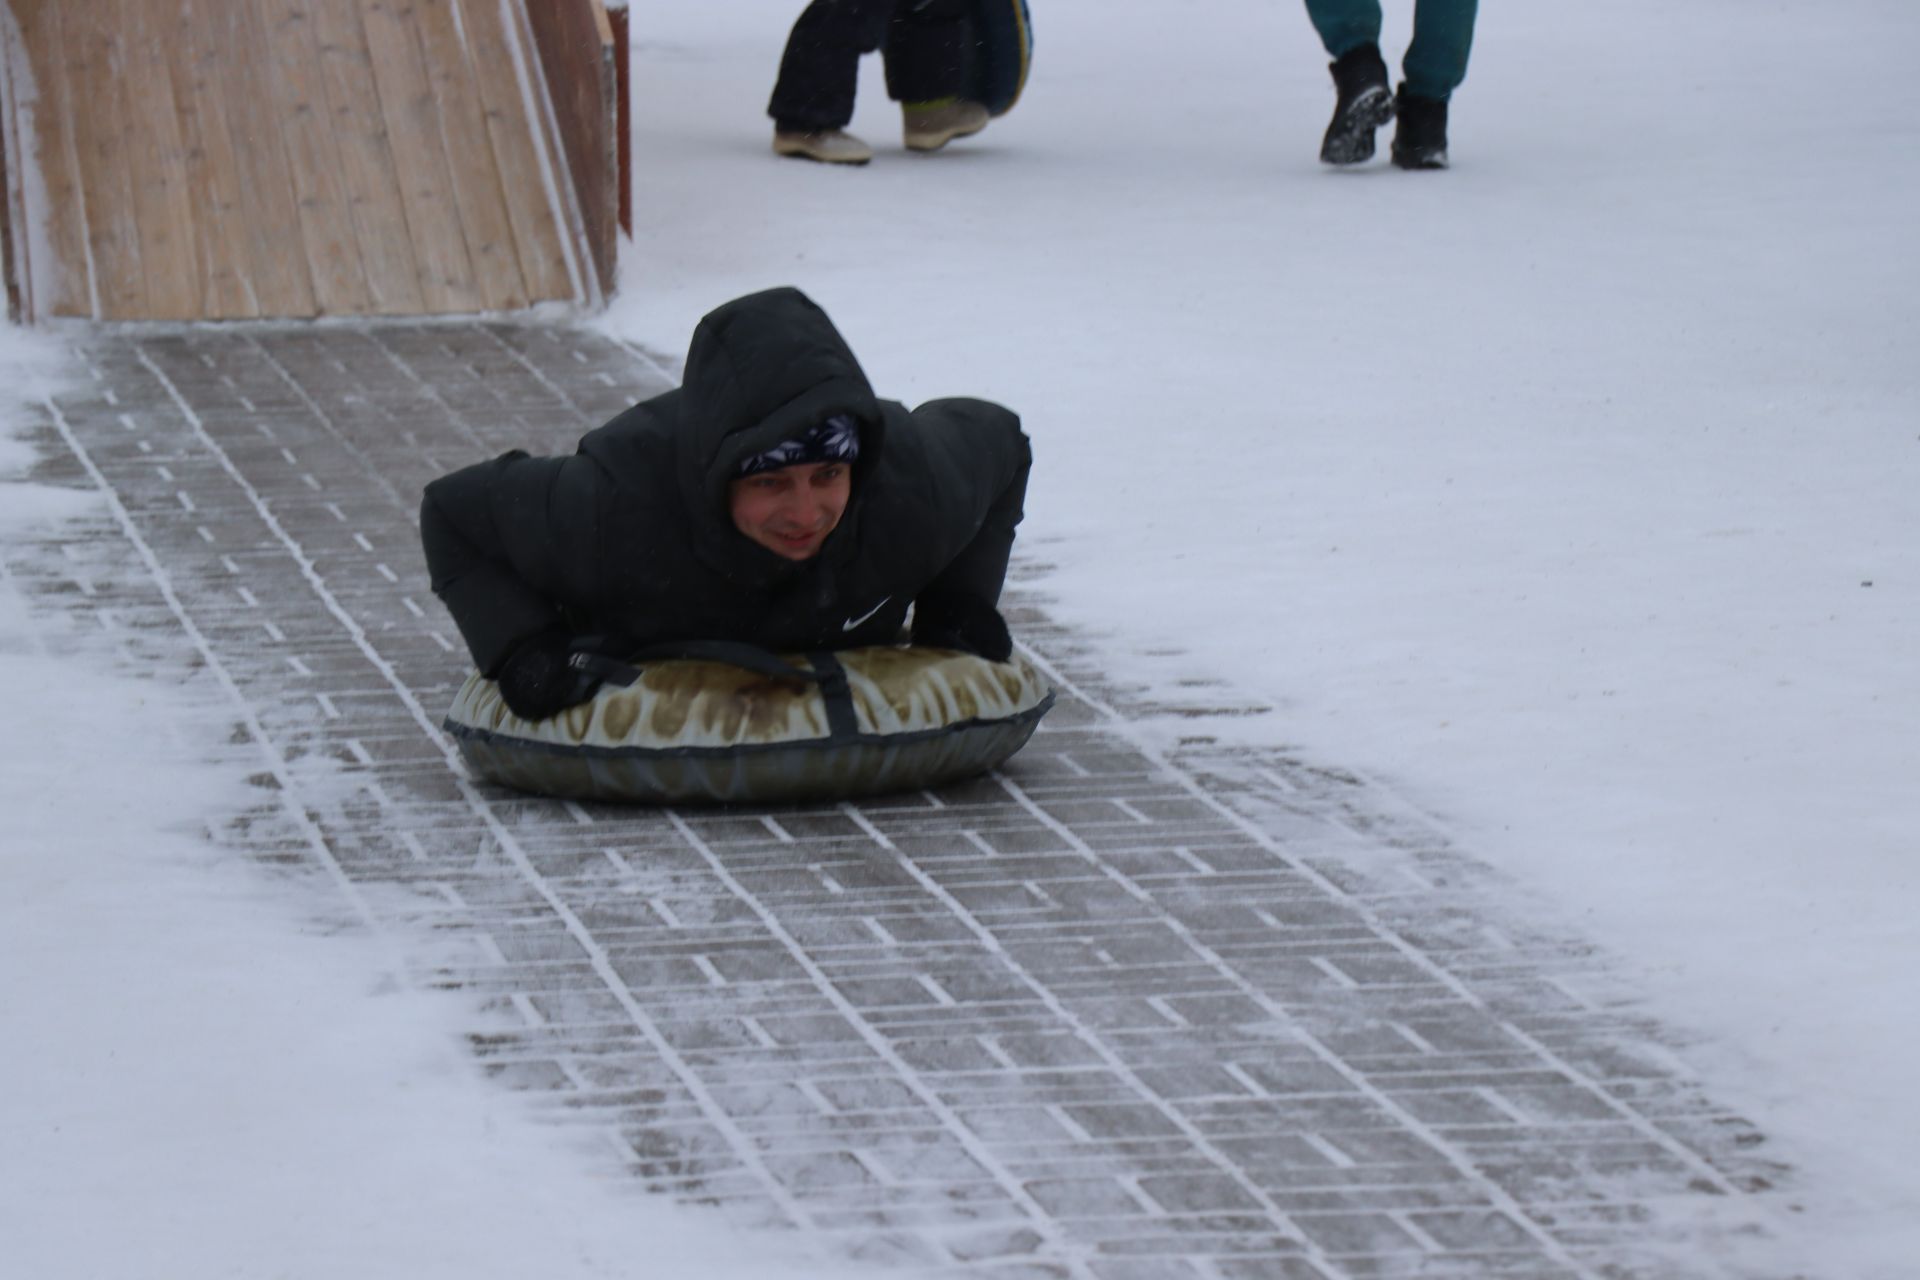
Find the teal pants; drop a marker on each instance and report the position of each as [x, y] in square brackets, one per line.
[1436, 61]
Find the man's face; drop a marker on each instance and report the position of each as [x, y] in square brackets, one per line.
[791, 511]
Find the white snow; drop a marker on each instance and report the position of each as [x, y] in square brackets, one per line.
[1570, 493]
[198, 1081]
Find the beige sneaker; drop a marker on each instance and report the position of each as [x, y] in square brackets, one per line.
[930, 126]
[829, 146]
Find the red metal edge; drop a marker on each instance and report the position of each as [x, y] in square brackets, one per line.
[617, 15]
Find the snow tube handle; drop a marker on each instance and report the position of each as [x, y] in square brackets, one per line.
[748, 657]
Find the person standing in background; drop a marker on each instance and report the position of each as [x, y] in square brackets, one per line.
[927, 45]
[1435, 64]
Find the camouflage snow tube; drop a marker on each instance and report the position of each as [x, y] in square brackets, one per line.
[827, 726]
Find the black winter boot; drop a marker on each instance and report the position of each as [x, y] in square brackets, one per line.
[1365, 103]
[1420, 139]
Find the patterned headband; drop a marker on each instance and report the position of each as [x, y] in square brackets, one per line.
[837, 439]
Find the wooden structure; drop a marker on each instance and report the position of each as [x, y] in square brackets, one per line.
[225, 159]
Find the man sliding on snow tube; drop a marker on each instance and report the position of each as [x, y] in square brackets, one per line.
[771, 499]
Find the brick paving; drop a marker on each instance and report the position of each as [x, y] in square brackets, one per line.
[1113, 1014]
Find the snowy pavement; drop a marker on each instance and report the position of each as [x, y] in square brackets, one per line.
[1112, 1014]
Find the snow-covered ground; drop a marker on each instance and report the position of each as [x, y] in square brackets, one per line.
[194, 1082]
[1570, 492]
[1574, 492]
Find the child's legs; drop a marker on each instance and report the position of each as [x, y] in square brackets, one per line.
[928, 50]
[1345, 25]
[1436, 61]
[821, 66]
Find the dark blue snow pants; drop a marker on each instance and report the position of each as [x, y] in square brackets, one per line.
[1436, 61]
[926, 44]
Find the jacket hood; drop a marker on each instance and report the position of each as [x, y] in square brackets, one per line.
[761, 370]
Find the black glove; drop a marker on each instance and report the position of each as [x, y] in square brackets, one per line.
[965, 623]
[538, 680]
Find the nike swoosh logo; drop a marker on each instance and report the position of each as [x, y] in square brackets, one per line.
[851, 623]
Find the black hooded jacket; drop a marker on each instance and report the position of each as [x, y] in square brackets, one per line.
[631, 537]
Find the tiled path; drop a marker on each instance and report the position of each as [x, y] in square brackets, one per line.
[1109, 1015]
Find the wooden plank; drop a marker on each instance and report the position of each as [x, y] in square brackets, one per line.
[326, 220]
[529, 183]
[16, 80]
[6, 185]
[366, 160]
[276, 269]
[213, 172]
[476, 179]
[413, 131]
[162, 210]
[612, 84]
[232, 158]
[51, 247]
[57, 280]
[576, 55]
[10, 267]
[91, 59]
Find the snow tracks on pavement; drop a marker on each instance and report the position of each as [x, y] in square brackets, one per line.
[1109, 1015]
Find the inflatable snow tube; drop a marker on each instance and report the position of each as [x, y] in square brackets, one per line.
[749, 727]
[1003, 52]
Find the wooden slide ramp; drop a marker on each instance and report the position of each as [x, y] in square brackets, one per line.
[227, 159]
